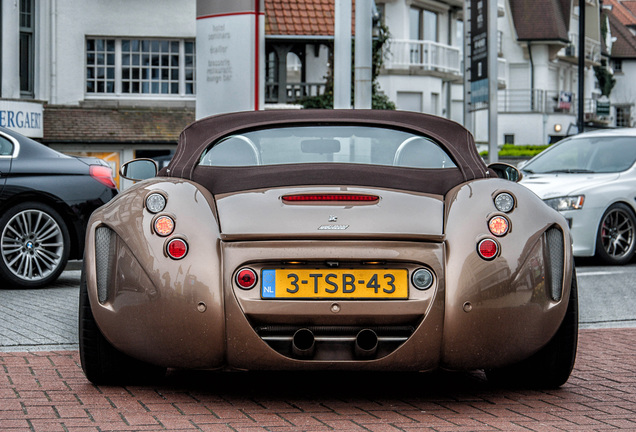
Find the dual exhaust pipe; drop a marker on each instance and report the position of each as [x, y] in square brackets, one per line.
[304, 343]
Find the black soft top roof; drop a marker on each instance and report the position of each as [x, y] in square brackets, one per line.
[198, 136]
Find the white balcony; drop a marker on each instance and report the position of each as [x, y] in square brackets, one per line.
[423, 55]
[592, 49]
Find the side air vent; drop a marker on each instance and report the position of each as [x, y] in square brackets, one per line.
[554, 240]
[104, 247]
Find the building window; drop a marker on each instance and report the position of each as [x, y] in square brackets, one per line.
[509, 138]
[623, 116]
[163, 67]
[100, 66]
[618, 66]
[26, 47]
[422, 24]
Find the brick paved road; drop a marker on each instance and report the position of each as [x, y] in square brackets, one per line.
[46, 391]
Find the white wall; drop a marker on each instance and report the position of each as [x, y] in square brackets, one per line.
[10, 50]
[317, 67]
[70, 21]
[624, 92]
[426, 86]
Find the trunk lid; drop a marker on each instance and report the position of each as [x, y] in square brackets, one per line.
[263, 214]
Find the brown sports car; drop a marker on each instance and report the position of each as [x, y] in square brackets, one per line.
[314, 240]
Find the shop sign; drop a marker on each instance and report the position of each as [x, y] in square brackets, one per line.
[22, 117]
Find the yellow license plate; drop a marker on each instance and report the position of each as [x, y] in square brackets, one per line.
[334, 284]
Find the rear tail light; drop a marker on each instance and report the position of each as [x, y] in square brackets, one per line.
[246, 278]
[422, 279]
[155, 202]
[163, 225]
[498, 226]
[331, 198]
[177, 248]
[102, 174]
[488, 249]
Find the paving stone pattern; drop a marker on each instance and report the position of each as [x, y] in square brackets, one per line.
[47, 391]
[42, 320]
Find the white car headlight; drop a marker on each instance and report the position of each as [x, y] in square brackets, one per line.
[566, 203]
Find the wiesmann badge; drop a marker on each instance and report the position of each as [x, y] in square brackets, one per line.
[335, 227]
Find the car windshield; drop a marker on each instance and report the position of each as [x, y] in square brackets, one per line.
[586, 155]
[327, 144]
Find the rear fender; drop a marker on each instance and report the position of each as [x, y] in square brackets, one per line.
[146, 304]
[501, 311]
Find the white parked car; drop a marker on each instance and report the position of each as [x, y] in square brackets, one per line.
[591, 179]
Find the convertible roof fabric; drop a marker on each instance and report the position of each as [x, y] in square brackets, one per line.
[198, 136]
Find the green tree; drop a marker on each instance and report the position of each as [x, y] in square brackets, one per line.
[606, 80]
[378, 99]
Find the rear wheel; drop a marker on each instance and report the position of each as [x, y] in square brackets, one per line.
[615, 239]
[101, 362]
[34, 243]
[552, 365]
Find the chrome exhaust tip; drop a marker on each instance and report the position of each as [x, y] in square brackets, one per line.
[366, 343]
[303, 343]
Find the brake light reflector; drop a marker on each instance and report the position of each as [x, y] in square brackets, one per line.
[164, 226]
[177, 248]
[488, 249]
[498, 225]
[330, 197]
[246, 278]
[102, 174]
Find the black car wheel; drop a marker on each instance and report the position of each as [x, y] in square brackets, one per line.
[101, 362]
[616, 235]
[34, 244]
[552, 365]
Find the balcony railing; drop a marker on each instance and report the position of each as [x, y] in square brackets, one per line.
[293, 91]
[427, 55]
[502, 71]
[540, 101]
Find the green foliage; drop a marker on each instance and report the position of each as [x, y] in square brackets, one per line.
[606, 80]
[379, 100]
[511, 150]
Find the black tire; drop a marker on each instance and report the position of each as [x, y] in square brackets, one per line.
[34, 245]
[616, 235]
[101, 362]
[552, 365]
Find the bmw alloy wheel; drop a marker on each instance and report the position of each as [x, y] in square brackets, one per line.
[32, 245]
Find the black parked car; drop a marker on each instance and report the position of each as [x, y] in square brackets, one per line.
[46, 198]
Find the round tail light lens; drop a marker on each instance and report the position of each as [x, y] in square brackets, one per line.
[488, 249]
[498, 225]
[504, 202]
[164, 225]
[422, 279]
[246, 278]
[177, 248]
[155, 202]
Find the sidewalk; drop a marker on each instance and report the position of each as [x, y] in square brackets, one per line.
[47, 391]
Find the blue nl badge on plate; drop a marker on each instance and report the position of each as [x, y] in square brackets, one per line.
[268, 289]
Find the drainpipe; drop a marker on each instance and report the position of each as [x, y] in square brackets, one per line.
[447, 83]
[531, 77]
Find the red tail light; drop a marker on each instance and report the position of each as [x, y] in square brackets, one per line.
[103, 174]
[331, 198]
[246, 278]
[177, 248]
[488, 249]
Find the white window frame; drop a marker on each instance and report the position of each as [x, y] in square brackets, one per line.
[119, 80]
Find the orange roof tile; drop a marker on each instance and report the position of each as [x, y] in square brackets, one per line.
[300, 17]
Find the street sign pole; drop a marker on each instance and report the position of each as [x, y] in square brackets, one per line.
[493, 148]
